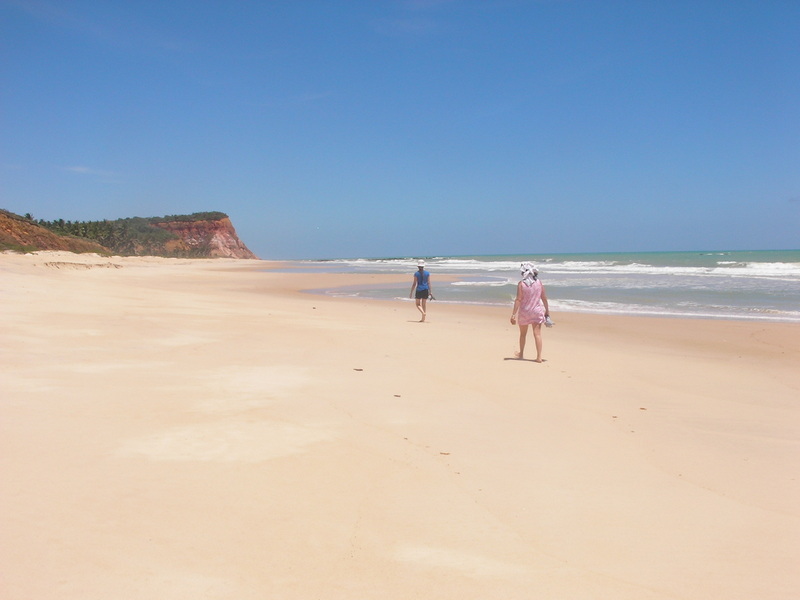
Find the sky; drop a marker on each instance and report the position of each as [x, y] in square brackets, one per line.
[418, 128]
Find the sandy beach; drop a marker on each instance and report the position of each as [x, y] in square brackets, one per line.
[204, 429]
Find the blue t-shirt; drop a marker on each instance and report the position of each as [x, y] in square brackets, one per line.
[422, 279]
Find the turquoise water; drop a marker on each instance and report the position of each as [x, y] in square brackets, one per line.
[754, 285]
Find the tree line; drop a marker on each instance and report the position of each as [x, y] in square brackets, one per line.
[131, 236]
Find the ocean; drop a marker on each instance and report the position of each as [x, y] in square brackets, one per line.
[753, 285]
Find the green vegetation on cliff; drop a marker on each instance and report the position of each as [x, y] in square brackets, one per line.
[192, 218]
[22, 234]
[136, 236]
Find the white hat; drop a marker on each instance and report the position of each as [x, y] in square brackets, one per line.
[529, 272]
[421, 263]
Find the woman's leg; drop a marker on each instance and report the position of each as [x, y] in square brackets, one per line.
[523, 333]
[421, 306]
[537, 337]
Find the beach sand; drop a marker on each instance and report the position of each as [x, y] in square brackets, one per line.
[200, 429]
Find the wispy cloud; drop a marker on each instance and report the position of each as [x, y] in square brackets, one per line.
[79, 170]
[413, 18]
[425, 4]
[117, 30]
[312, 97]
[58, 16]
[88, 171]
[299, 100]
[37, 8]
[411, 25]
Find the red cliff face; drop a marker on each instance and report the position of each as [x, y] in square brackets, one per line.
[210, 238]
[22, 234]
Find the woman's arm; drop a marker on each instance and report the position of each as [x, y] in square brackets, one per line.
[544, 301]
[516, 304]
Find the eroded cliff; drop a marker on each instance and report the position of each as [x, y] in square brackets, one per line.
[212, 238]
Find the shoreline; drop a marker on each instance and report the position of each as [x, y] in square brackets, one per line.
[598, 287]
[198, 427]
[355, 285]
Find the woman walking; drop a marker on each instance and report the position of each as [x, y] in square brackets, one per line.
[422, 286]
[530, 308]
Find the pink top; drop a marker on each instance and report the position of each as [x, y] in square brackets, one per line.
[531, 308]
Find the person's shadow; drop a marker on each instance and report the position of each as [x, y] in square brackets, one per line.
[523, 359]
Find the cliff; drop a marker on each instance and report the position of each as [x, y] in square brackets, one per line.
[214, 238]
[200, 235]
[23, 235]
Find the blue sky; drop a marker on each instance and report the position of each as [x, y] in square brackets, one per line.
[411, 128]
